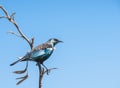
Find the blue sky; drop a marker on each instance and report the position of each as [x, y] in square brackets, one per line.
[90, 54]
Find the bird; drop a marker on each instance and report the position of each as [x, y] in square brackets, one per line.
[40, 53]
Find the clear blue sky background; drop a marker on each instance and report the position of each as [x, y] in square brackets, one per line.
[90, 54]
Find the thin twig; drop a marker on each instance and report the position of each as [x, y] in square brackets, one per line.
[42, 72]
[22, 79]
[11, 19]
[12, 15]
[2, 17]
[46, 72]
[22, 71]
[11, 32]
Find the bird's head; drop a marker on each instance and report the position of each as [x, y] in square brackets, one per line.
[54, 41]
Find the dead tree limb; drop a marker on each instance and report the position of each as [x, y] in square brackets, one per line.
[42, 72]
[11, 19]
[30, 42]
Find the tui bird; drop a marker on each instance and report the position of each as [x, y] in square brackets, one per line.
[40, 53]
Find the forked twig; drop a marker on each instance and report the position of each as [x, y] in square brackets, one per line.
[22, 79]
[11, 32]
[22, 71]
[42, 72]
[11, 19]
[30, 42]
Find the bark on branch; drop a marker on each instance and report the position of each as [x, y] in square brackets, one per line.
[11, 19]
[30, 42]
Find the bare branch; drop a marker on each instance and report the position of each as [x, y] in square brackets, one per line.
[4, 11]
[11, 19]
[48, 71]
[22, 79]
[30, 42]
[12, 15]
[42, 72]
[22, 71]
[2, 17]
[11, 32]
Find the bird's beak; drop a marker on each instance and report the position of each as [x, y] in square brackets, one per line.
[61, 41]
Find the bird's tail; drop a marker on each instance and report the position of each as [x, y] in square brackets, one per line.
[26, 57]
[15, 62]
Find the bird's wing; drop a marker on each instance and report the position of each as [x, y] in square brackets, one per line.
[41, 51]
[37, 53]
[42, 47]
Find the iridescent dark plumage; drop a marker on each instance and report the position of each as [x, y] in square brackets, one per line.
[41, 52]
